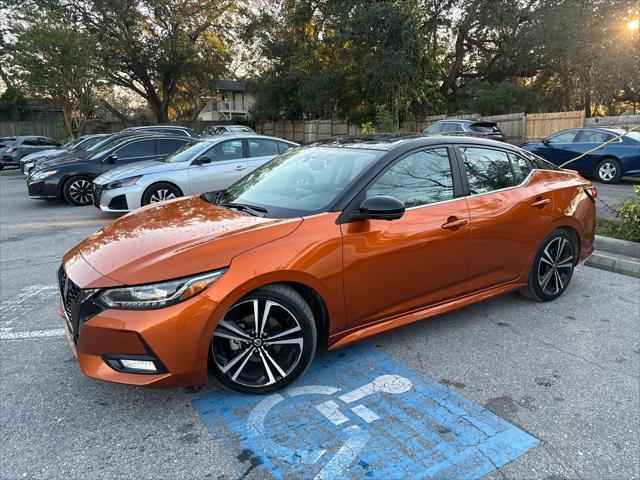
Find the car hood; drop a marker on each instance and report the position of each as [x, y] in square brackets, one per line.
[140, 168]
[61, 160]
[41, 154]
[175, 239]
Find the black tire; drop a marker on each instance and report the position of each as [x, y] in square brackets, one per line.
[552, 269]
[78, 191]
[159, 192]
[244, 361]
[609, 171]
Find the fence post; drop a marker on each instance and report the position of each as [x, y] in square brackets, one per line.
[524, 129]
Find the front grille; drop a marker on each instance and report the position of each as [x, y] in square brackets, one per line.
[97, 191]
[79, 304]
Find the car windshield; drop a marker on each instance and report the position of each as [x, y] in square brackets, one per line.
[189, 151]
[87, 143]
[71, 144]
[240, 129]
[311, 178]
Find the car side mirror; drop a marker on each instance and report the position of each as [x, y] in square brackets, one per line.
[202, 160]
[111, 159]
[381, 207]
[546, 142]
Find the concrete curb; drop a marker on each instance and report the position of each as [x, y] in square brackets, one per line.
[615, 255]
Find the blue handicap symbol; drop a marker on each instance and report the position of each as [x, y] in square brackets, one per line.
[357, 413]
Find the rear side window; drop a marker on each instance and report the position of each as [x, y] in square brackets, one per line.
[487, 169]
[32, 142]
[418, 179]
[137, 149]
[520, 168]
[262, 147]
[483, 128]
[169, 145]
[284, 146]
[451, 127]
[538, 162]
[592, 136]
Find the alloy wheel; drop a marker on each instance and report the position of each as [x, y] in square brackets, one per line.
[161, 194]
[555, 266]
[81, 192]
[607, 171]
[257, 343]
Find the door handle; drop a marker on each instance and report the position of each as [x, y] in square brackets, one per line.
[453, 223]
[541, 202]
[240, 167]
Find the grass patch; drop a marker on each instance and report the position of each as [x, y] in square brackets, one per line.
[615, 229]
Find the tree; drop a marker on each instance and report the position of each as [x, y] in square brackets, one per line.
[55, 58]
[157, 48]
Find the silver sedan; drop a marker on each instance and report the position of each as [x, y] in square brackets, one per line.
[205, 165]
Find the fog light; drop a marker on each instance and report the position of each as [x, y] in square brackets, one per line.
[144, 365]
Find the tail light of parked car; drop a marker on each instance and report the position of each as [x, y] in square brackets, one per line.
[592, 192]
[11, 149]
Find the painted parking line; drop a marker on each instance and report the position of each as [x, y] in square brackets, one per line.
[357, 413]
[28, 301]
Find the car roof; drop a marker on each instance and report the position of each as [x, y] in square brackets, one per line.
[389, 141]
[220, 138]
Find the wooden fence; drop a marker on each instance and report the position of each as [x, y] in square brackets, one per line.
[517, 127]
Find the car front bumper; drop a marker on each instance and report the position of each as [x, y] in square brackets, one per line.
[123, 199]
[26, 167]
[47, 188]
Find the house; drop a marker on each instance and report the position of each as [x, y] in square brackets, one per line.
[230, 101]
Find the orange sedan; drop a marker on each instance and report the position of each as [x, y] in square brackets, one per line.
[320, 247]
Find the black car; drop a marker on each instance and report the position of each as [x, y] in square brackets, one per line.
[168, 129]
[77, 155]
[71, 178]
[466, 128]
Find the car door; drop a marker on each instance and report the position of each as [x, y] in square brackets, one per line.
[260, 151]
[391, 267]
[132, 152]
[509, 213]
[588, 140]
[558, 148]
[227, 165]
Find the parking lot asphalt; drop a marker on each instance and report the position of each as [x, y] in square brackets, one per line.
[566, 373]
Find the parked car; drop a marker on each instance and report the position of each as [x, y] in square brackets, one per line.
[12, 149]
[608, 164]
[168, 129]
[225, 130]
[78, 155]
[199, 166]
[466, 128]
[70, 179]
[249, 280]
[79, 144]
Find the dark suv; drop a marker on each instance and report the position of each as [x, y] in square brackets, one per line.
[466, 128]
[71, 178]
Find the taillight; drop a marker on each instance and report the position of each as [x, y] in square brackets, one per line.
[591, 192]
[11, 149]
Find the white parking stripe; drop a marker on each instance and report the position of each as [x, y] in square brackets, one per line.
[30, 334]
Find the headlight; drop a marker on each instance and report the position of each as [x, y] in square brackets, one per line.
[36, 177]
[125, 182]
[158, 295]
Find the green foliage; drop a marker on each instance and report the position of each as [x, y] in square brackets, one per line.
[628, 228]
[343, 59]
[13, 101]
[384, 120]
[367, 128]
[493, 98]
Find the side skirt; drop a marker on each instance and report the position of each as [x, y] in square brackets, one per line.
[358, 333]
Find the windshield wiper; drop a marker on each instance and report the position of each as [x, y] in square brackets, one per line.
[243, 207]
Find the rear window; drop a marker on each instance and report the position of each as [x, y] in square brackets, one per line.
[484, 127]
[6, 141]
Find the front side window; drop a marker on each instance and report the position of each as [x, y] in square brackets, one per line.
[228, 150]
[262, 147]
[435, 128]
[487, 169]
[563, 137]
[419, 179]
[137, 149]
